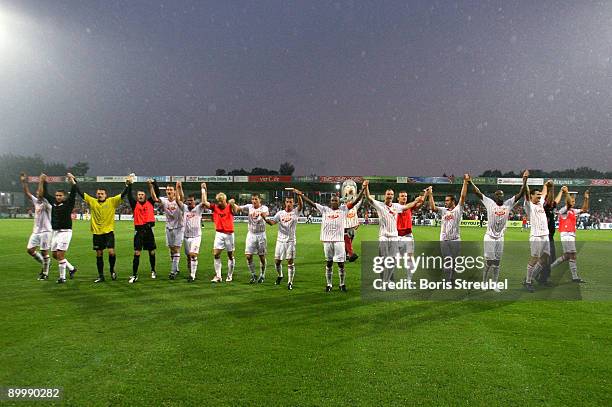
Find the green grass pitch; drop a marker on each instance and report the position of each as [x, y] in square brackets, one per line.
[172, 343]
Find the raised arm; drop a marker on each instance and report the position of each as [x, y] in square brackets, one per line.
[42, 187]
[235, 207]
[300, 203]
[23, 178]
[74, 190]
[466, 179]
[305, 198]
[416, 204]
[359, 197]
[523, 186]
[205, 202]
[562, 192]
[180, 196]
[585, 203]
[129, 194]
[432, 204]
[153, 191]
[475, 189]
[545, 189]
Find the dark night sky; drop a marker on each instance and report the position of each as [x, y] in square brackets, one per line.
[339, 87]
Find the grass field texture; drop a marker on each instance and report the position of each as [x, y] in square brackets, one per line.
[172, 343]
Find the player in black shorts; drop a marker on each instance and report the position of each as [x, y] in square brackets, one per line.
[144, 221]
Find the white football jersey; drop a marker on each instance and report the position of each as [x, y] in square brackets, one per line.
[173, 212]
[352, 217]
[387, 217]
[451, 219]
[42, 215]
[287, 222]
[497, 216]
[256, 223]
[332, 223]
[537, 218]
[193, 221]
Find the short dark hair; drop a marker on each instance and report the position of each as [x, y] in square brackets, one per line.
[452, 197]
[61, 191]
[102, 189]
[534, 191]
[403, 191]
[389, 189]
[170, 186]
[255, 195]
[288, 197]
[191, 196]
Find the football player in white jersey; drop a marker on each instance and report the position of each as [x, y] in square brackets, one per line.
[498, 212]
[172, 205]
[567, 228]
[193, 234]
[287, 220]
[451, 214]
[538, 234]
[388, 212]
[42, 231]
[256, 242]
[332, 234]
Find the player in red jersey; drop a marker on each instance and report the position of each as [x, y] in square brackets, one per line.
[404, 228]
[223, 215]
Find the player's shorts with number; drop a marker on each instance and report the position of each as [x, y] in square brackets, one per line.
[224, 241]
[493, 248]
[192, 244]
[568, 241]
[60, 240]
[539, 245]
[174, 237]
[334, 251]
[256, 243]
[405, 244]
[41, 240]
[284, 250]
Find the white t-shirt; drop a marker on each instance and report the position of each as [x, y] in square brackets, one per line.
[42, 215]
[256, 223]
[537, 218]
[332, 224]
[450, 222]
[387, 217]
[497, 216]
[352, 218]
[173, 212]
[193, 221]
[287, 222]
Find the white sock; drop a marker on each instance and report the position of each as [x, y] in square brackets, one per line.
[46, 265]
[290, 272]
[176, 258]
[68, 265]
[328, 275]
[529, 273]
[62, 269]
[251, 268]
[410, 268]
[38, 257]
[558, 261]
[279, 269]
[230, 268]
[495, 273]
[218, 268]
[485, 272]
[194, 267]
[262, 271]
[573, 269]
[342, 275]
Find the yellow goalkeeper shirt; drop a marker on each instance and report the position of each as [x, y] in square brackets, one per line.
[102, 213]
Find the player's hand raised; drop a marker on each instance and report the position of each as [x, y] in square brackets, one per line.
[203, 185]
[526, 174]
[365, 183]
[297, 191]
[22, 177]
[564, 188]
[466, 177]
[549, 183]
[587, 194]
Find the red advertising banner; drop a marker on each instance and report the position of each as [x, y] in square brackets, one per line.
[269, 178]
[338, 179]
[601, 182]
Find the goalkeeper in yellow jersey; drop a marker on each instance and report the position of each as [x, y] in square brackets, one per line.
[102, 226]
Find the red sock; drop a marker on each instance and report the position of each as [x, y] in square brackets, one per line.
[348, 244]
